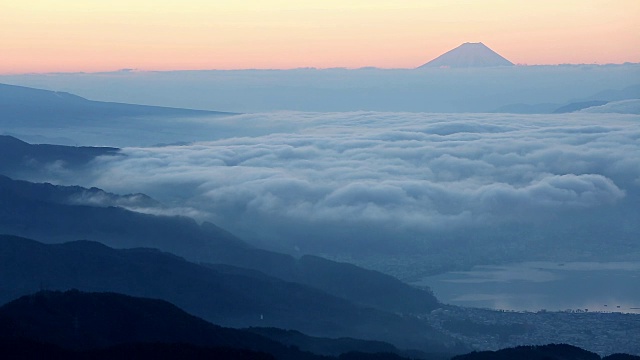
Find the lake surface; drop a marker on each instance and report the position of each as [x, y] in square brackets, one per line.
[534, 286]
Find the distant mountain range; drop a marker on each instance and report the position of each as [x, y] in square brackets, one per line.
[223, 294]
[577, 106]
[52, 214]
[57, 238]
[470, 87]
[617, 98]
[468, 55]
[630, 106]
[288, 292]
[25, 106]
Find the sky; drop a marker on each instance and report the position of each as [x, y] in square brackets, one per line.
[96, 35]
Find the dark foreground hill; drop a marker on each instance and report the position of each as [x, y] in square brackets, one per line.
[79, 325]
[26, 106]
[81, 321]
[222, 294]
[94, 325]
[340, 346]
[541, 352]
[56, 214]
[25, 349]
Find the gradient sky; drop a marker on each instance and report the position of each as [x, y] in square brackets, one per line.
[99, 35]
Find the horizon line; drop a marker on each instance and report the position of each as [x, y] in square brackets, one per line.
[136, 70]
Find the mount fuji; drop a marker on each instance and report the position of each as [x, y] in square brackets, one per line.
[468, 55]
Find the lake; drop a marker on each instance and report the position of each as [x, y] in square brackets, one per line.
[534, 286]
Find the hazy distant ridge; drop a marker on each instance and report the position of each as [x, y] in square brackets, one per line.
[35, 107]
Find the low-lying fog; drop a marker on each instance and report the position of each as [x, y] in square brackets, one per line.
[346, 184]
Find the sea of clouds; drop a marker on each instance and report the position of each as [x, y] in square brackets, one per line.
[291, 179]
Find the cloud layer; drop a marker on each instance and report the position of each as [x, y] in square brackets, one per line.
[368, 173]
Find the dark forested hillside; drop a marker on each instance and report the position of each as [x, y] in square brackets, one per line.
[222, 294]
[81, 321]
[543, 352]
[25, 349]
[61, 213]
[52, 213]
[80, 325]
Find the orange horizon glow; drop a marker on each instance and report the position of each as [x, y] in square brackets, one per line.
[94, 35]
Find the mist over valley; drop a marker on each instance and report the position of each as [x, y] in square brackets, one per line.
[374, 221]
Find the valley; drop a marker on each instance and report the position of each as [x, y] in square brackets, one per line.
[360, 254]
